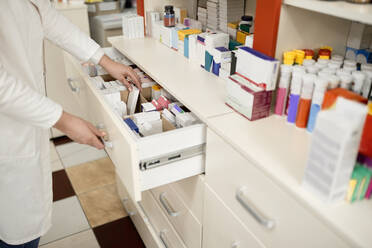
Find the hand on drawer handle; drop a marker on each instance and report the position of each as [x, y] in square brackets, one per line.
[105, 140]
[163, 238]
[130, 213]
[167, 206]
[72, 86]
[242, 199]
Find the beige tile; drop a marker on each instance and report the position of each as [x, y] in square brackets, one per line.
[102, 205]
[84, 239]
[91, 175]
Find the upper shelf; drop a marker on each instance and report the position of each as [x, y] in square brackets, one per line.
[202, 92]
[354, 12]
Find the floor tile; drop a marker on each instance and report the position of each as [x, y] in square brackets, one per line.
[73, 154]
[84, 239]
[62, 187]
[118, 234]
[67, 218]
[91, 175]
[102, 205]
[61, 140]
[57, 165]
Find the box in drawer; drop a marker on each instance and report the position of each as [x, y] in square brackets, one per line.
[274, 217]
[182, 219]
[180, 151]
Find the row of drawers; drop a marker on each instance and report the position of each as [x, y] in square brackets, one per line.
[273, 217]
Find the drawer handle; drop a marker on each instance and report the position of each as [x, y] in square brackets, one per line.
[164, 238]
[170, 210]
[130, 213]
[105, 140]
[74, 88]
[242, 199]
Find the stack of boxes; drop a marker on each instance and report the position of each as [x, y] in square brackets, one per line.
[213, 14]
[359, 43]
[250, 89]
[230, 11]
[202, 16]
[133, 26]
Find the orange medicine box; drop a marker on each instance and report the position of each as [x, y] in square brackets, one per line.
[331, 96]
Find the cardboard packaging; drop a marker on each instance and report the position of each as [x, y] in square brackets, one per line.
[248, 99]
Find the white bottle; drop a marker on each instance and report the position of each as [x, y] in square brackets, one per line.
[359, 78]
[346, 81]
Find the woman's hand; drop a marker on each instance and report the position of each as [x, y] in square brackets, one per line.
[80, 130]
[121, 72]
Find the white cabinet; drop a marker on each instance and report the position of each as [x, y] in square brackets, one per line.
[59, 86]
[274, 217]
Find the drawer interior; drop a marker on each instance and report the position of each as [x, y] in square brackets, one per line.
[173, 153]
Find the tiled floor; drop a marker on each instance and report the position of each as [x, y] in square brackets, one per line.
[87, 212]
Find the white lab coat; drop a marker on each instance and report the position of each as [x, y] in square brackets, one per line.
[26, 114]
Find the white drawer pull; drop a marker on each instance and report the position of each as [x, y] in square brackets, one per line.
[105, 140]
[164, 239]
[242, 199]
[73, 88]
[130, 213]
[170, 210]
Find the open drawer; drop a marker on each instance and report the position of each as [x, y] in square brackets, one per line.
[147, 162]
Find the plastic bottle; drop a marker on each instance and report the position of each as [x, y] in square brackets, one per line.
[312, 69]
[308, 62]
[324, 74]
[350, 62]
[321, 85]
[334, 65]
[294, 97]
[346, 81]
[321, 65]
[350, 68]
[282, 92]
[337, 57]
[359, 78]
[340, 72]
[329, 70]
[334, 82]
[305, 100]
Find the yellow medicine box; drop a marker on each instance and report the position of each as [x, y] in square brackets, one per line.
[233, 25]
[240, 36]
[183, 33]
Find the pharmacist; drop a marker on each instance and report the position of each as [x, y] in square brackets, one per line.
[26, 114]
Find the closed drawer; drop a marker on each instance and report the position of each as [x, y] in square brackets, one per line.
[271, 214]
[183, 221]
[161, 225]
[128, 152]
[191, 192]
[222, 229]
[138, 217]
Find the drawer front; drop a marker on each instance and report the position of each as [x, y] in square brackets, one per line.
[191, 191]
[123, 149]
[161, 225]
[272, 215]
[222, 229]
[138, 217]
[186, 225]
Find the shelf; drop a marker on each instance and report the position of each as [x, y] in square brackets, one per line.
[202, 92]
[354, 12]
[280, 150]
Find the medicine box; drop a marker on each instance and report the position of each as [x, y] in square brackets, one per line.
[257, 67]
[333, 150]
[248, 99]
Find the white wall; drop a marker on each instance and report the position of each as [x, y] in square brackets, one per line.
[299, 28]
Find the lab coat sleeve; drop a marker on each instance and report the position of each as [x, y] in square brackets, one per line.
[21, 102]
[66, 35]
